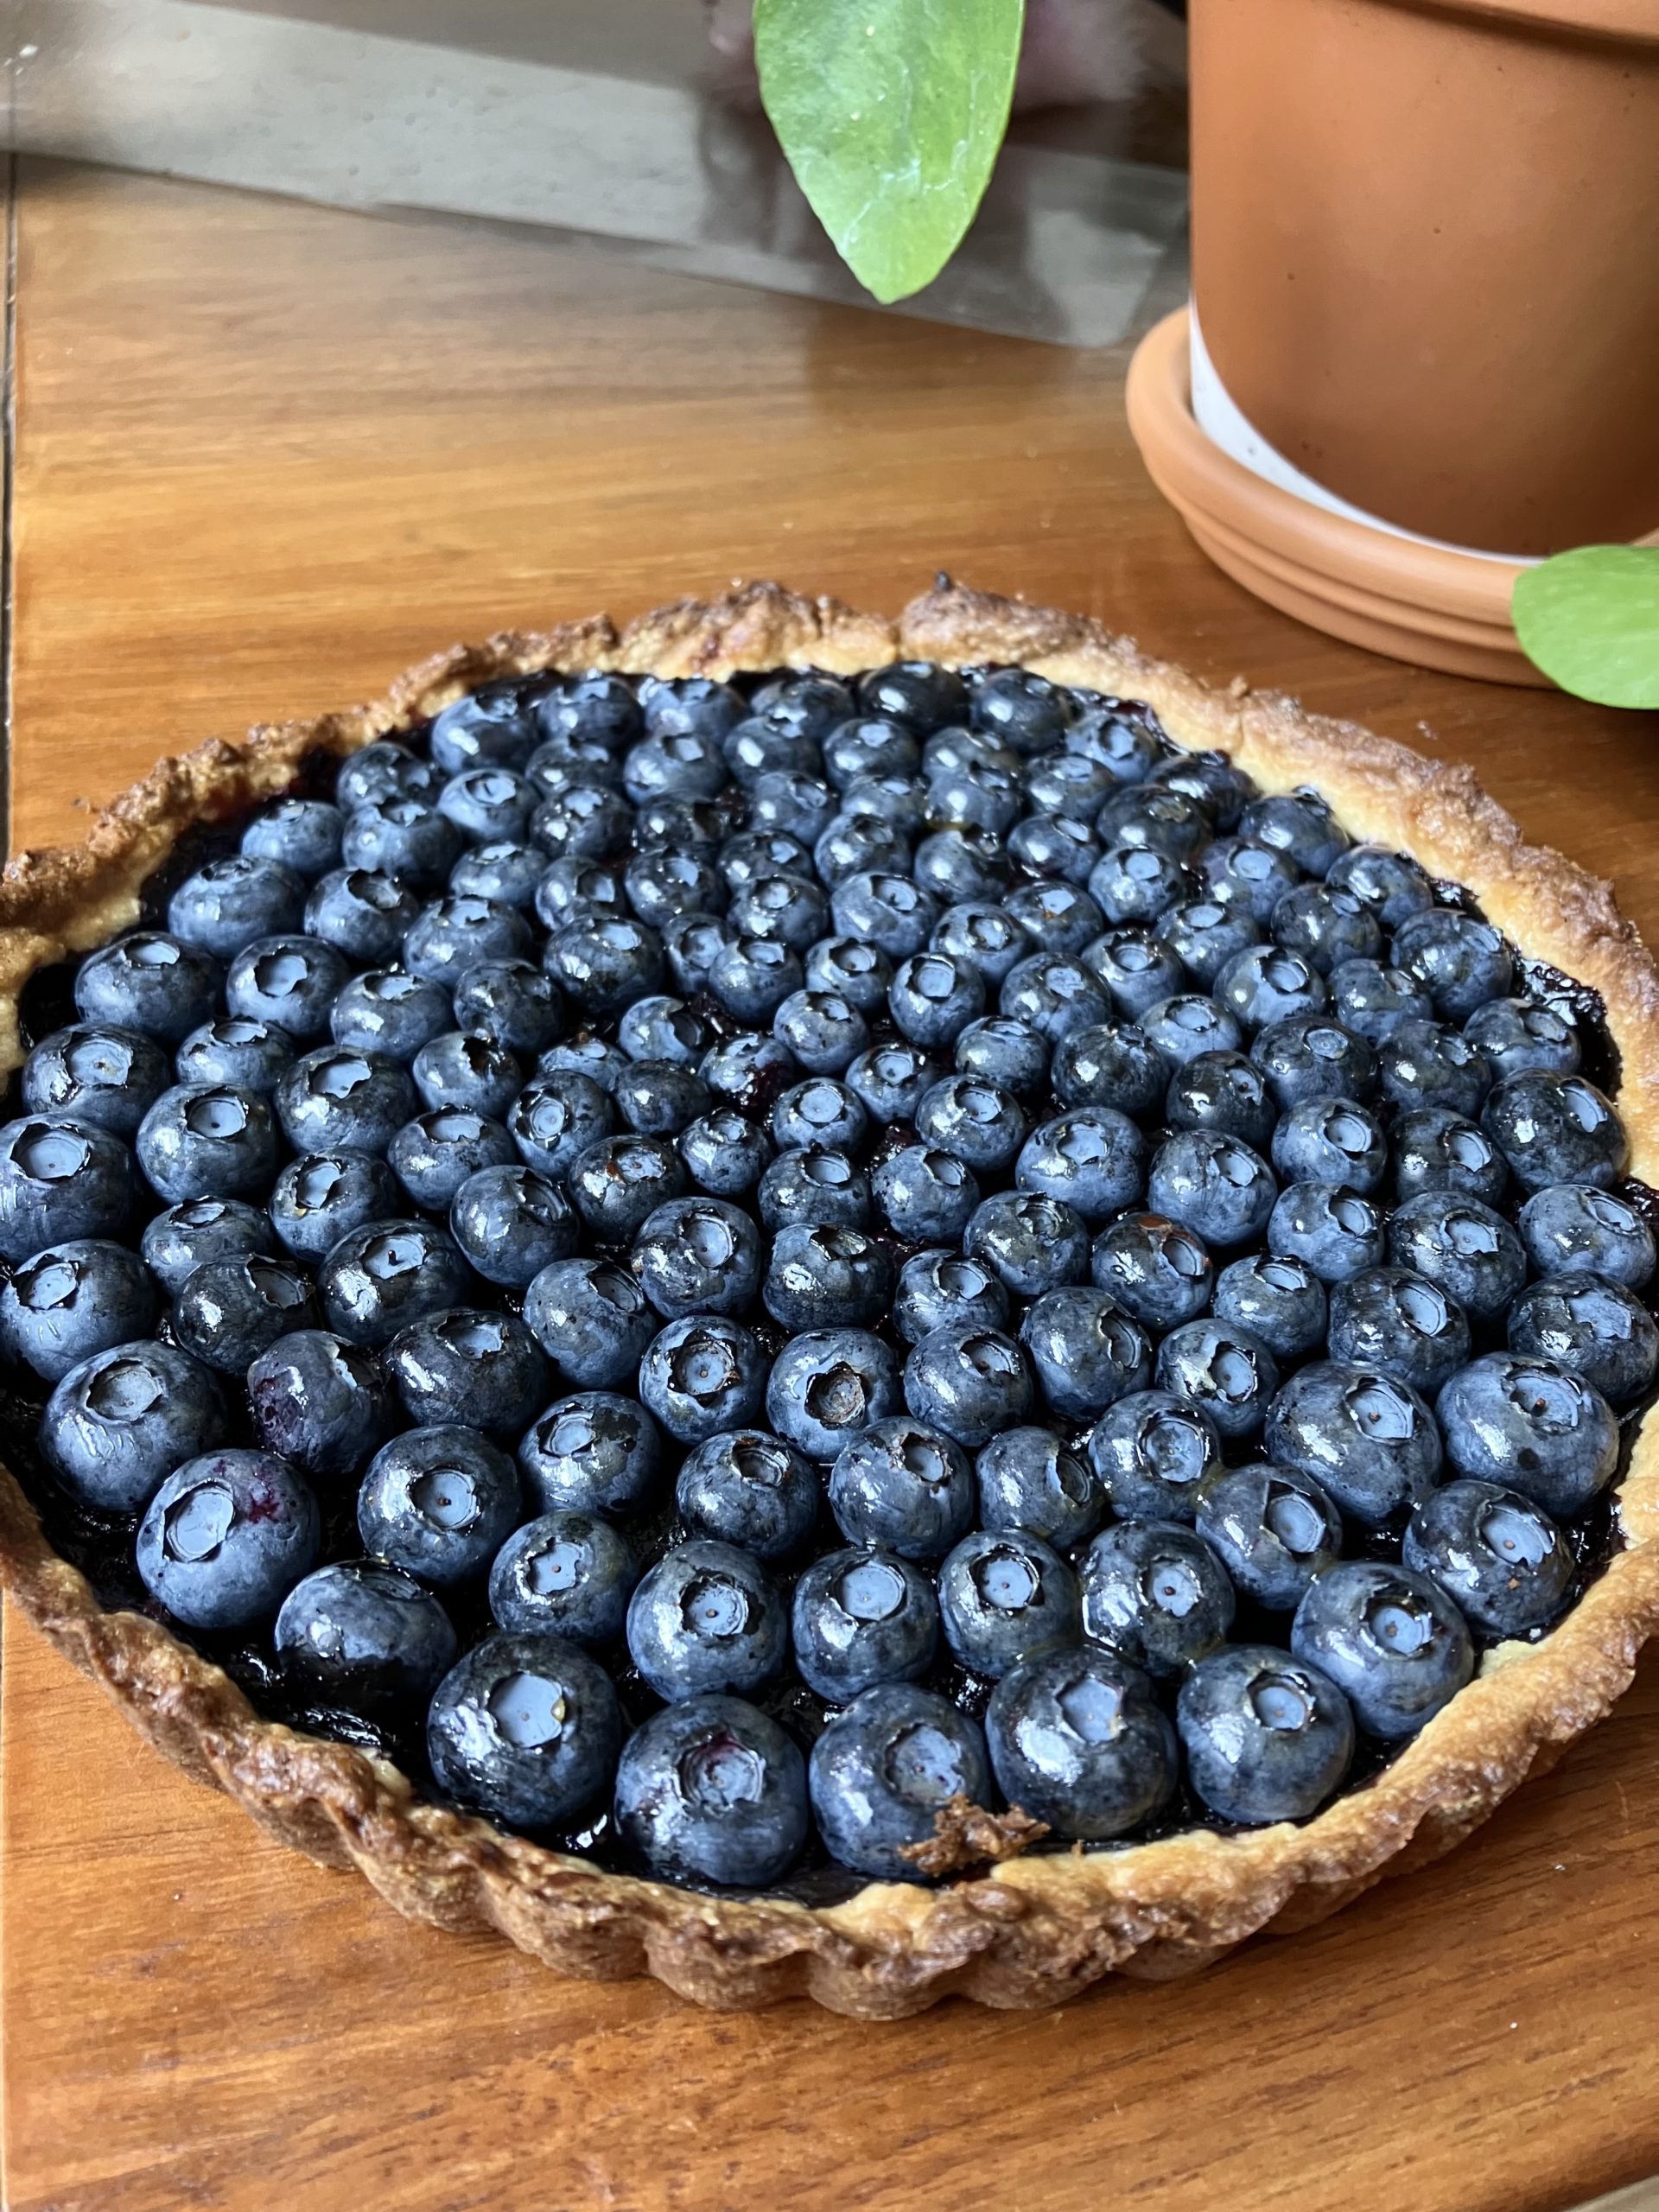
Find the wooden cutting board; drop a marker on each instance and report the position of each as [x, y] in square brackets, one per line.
[266, 454]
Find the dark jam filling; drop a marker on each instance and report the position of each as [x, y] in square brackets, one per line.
[102, 1549]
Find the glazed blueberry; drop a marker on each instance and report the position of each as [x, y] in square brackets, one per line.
[1421, 1064]
[824, 1277]
[851, 845]
[1053, 994]
[890, 1080]
[800, 806]
[1243, 872]
[205, 1140]
[456, 933]
[925, 1195]
[1084, 1350]
[150, 983]
[1006, 1596]
[364, 1636]
[1025, 712]
[1310, 1056]
[971, 1383]
[1392, 886]
[1188, 1024]
[237, 1054]
[750, 1072]
[1570, 1227]
[375, 773]
[810, 1188]
[1156, 1270]
[1089, 1158]
[323, 1195]
[336, 1097]
[681, 825]
[555, 1117]
[321, 1404]
[1459, 962]
[1598, 1330]
[229, 1311]
[1125, 747]
[564, 1573]
[584, 821]
[859, 974]
[1214, 1186]
[525, 1727]
[361, 914]
[1298, 824]
[859, 1618]
[1152, 817]
[919, 692]
[1030, 1244]
[706, 1618]
[124, 1419]
[1373, 1001]
[790, 909]
[591, 1320]
[1225, 1093]
[1150, 1451]
[503, 870]
[1134, 883]
[432, 1156]
[663, 883]
[1279, 1300]
[102, 1076]
[1500, 1559]
[617, 1184]
[757, 747]
[676, 764]
[388, 1012]
[1266, 984]
[379, 1277]
[660, 1097]
[574, 889]
[985, 936]
[469, 1369]
[871, 746]
[1154, 1593]
[1435, 1150]
[697, 1255]
[819, 1114]
[1520, 1038]
[981, 796]
[1205, 934]
[1272, 1528]
[1059, 846]
[406, 837]
[724, 1153]
[1368, 1439]
[1399, 1324]
[60, 1180]
[485, 803]
[703, 1374]
[943, 1289]
[1330, 1228]
[595, 709]
[512, 1003]
[754, 976]
[1464, 1247]
[884, 1769]
[932, 998]
[510, 1222]
[588, 1055]
[828, 1386]
[226, 1537]
[592, 1452]
[290, 983]
[1027, 1479]
[1212, 781]
[1267, 1738]
[603, 964]
[303, 834]
[1056, 917]
[180, 1239]
[72, 1300]
[712, 1791]
[1110, 1064]
[439, 1503]
[494, 723]
[1078, 1740]
[1325, 925]
[749, 1489]
[823, 1033]
[1391, 1640]
[1222, 1369]
[1555, 1129]
[1331, 1141]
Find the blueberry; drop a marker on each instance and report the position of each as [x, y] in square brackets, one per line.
[361, 914]
[1272, 1528]
[1500, 1559]
[1330, 1228]
[1154, 1593]
[828, 1386]
[1134, 883]
[858, 973]
[681, 825]
[1392, 1641]
[1188, 1024]
[1224, 1093]
[60, 1181]
[1222, 1368]
[599, 709]
[512, 1003]
[697, 1255]
[938, 1289]
[890, 1081]
[1435, 1150]
[527, 1727]
[1151, 817]
[323, 1405]
[1298, 824]
[375, 773]
[1331, 1141]
[207, 1141]
[919, 692]
[884, 1769]
[379, 1277]
[1156, 1270]
[1150, 1451]
[1326, 926]
[1401, 1323]
[1310, 1056]
[1555, 1129]
[336, 1097]
[1464, 1248]
[1368, 1439]
[903, 1486]
[749, 1489]
[664, 884]
[588, 1055]
[970, 1382]
[1085, 1350]
[703, 1374]
[493, 724]
[790, 909]
[660, 1097]
[591, 1320]
[1267, 1738]
[1421, 1064]
[1596, 1329]
[1090, 1158]
[485, 803]
[713, 1790]
[1570, 1226]
[750, 1072]
[860, 1618]
[724, 1153]
[323, 1195]
[584, 821]
[1266, 984]
[1519, 1037]
[604, 963]
[564, 1573]
[290, 983]
[1030, 1244]
[439, 1503]
[237, 1054]
[1026, 712]
[432, 1156]
[887, 911]
[178, 1240]
[455, 933]
[72, 1300]
[102, 1076]
[684, 763]
[592, 1453]
[706, 1618]
[574, 889]
[932, 998]
[1245, 873]
[1109, 1063]
[801, 806]
[925, 1195]
[969, 865]
[1123, 746]
[1214, 1186]
[1279, 1300]
[851, 845]
[503, 870]
[148, 982]
[820, 1113]
[1205, 934]
[1006, 1596]
[386, 1011]
[226, 1537]
[1077, 1740]
[981, 796]
[364, 1636]
[826, 1277]
[754, 976]
[1373, 1001]
[1027, 1479]
[229, 1311]
[1459, 962]
[124, 1419]
[1391, 885]
[406, 837]
[617, 1184]
[469, 1369]
[1211, 780]
[985, 936]
[756, 747]
[1056, 917]
[556, 1118]
[303, 834]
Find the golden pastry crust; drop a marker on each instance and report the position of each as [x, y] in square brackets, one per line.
[1030, 1930]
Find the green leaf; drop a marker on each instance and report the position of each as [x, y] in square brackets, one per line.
[891, 113]
[1590, 619]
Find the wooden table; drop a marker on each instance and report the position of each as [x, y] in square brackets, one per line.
[267, 454]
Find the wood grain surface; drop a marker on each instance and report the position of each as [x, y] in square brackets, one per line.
[265, 455]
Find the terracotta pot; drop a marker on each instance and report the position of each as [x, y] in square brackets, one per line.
[1426, 255]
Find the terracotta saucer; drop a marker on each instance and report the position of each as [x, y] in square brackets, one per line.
[1356, 580]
